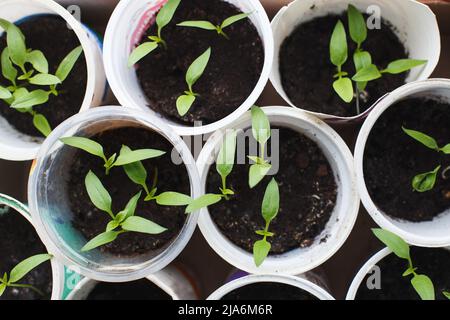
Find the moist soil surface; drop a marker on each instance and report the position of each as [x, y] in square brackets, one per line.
[392, 159]
[431, 262]
[49, 34]
[232, 72]
[308, 194]
[307, 72]
[19, 241]
[92, 221]
[269, 291]
[136, 290]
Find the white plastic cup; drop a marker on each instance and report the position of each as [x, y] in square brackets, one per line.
[15, 145]
[48, 197]
[342, 218]
[298, 282]
[170, 280]
[124, 30]
[414, 23]
[57, 268]
[435, 233]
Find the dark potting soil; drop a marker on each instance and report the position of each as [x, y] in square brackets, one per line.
[308, 194]
[232, 72]
[136, 290]
[392, 159]
[269, 291]
[19, 241]
[91, 221]
[49, 34]
[432, 262]
[307, 72]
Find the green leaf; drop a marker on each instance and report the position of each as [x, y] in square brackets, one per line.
[396, 244]
[366, 74]
[446, 149]
[100, 240]
[344, 88]
[261, 250]
[362, 59]
[409, 271]
[8, 70]
[446, 294]
[30, 99]
[338, 45]
[2, 288]
[227, 153]
[202, 202]
[136, 172]
[67, 64]
[256, 173]
[197, 68]
[264, 233]
[97, 193]
[4, 93]
[198, 24]
[233, 19]
[139, 224]
[42, 79]
[403, 65]
[184, 103]
[38, 60]
[85, 144]
[424, 287]
[260, 125]
[166, 13]
[173, 199]
[140, 52]
[24, 267]
[426, 181]
[113, 224]
[41, 123]
[130, 208]
[357, 25]
[271, 201]
[424, 139]
[16, 45]
[128, 156]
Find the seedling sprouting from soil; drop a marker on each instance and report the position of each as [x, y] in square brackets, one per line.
[206, 25]
[366, 70]
[122, 222]
[33, 71]
[194, 72]
[421, 283]
[20, 271]
[426, 181]
[269, 209]
[163, 18]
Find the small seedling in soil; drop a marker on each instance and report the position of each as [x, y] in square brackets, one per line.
[122, 222]
[270, 207]
[163, 18]
[194, 72]
[261, 132]
[421, 283]
[33, 71]
[426, 181]
[126, 155]
[206, 25]
[20, 271]
[366, 70]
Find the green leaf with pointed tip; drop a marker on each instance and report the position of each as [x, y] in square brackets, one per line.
[261, 250]
[128, 156]
[396, 244]
[227, 153]
[271, 201]
[425, 181]
[367, 74]
[338, 45]
[30, 99]
[8, 70]
[260, 125]
[446, 149]
[184, 103]
[206, 25]
[4, 93]
[100, 240]
[130, 208]
[424, 139]
[97, 193]
[424, 287]
[257, 173]
[2, 288]
[197, 68]
[173, 199]
[344, 88]
[140, 52]
[403, 65]
[16, 45]
[446, 294]
[362, 59]
[409, 271]
[139, 224]
[264, 233]
[42, 79]
[38, 60]
[24, 267]
[233, 19]
[357, 25]
[85, 144]
[67, 64]
[203, 202]
[166, 13]
[40, 122]
[137, 173]
[113, 224]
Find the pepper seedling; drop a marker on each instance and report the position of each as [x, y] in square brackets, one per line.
[20, 271]
[206, 25]
[122, 222]
[421, 283]
[194, 72]
[261, 132]
[126, 155]
[17, 55]
[269, 209]
[426, 181]
[366, 70]
[163, 18]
